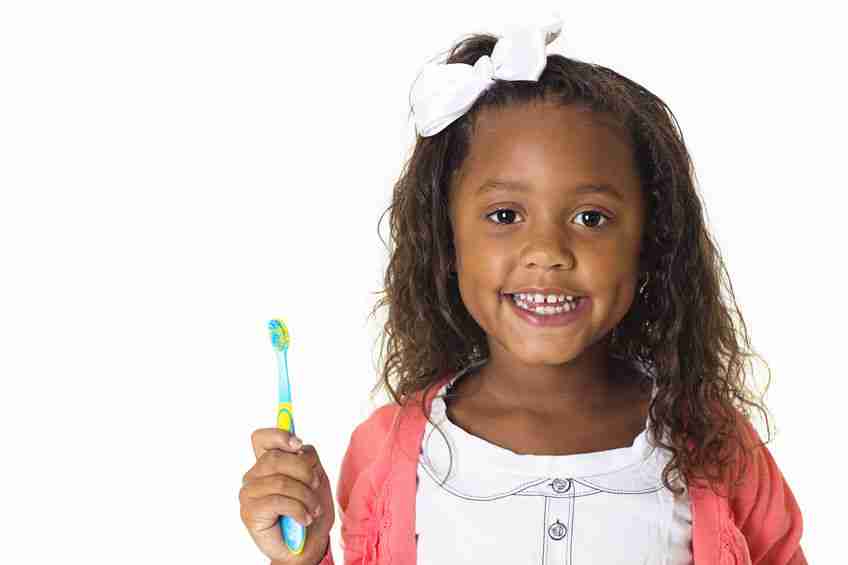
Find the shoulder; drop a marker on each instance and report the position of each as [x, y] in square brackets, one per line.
[391, 423]
[753, 471]
[761, 475]
[378, 421]
[385, 418]
[362, 456]
[375, 427]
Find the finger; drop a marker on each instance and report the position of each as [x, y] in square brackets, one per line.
[261, 513]
[310, 455]
[264, 439]
[275, 462]
[283, 485]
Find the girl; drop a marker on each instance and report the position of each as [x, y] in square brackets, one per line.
[556, 315]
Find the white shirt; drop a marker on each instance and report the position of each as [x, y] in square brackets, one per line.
[498, 506]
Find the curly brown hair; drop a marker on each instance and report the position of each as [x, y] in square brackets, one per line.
[680, 335]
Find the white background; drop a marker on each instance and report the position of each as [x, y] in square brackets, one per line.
[174, 173]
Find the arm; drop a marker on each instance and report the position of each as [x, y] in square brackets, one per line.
[355, 493]
[765, 509]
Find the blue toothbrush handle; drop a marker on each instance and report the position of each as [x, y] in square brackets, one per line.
[294, 533]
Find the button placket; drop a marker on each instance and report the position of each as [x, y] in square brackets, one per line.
[558, 512]
[557, 530]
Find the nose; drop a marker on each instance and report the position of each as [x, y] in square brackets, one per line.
[547, 252]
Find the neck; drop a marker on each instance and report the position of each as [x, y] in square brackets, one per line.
[580, 387]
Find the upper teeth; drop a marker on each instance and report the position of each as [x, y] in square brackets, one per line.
[539, 298]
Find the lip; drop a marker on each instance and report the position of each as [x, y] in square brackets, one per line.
[553, 320]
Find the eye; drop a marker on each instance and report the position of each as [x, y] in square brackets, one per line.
[506, 211]
[594, 212]
[510, 212]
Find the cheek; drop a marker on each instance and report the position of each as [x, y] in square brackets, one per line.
[614, 284]
[469, 292]
[623, 299]
[615, 271]
[481, 300]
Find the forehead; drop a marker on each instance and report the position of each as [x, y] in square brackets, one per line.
[543, 143]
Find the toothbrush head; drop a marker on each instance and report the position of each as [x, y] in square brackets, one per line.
[279, 334]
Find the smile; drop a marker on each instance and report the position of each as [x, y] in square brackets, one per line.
[546, 315]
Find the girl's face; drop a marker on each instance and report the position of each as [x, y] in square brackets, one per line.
[551, 234]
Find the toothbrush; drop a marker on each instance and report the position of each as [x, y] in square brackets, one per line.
[294, 533]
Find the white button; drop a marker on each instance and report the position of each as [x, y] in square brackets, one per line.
[557, 530]
[560, 485]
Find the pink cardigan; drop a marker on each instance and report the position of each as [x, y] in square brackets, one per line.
[376, 494]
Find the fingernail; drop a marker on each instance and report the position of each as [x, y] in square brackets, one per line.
[295, 442]
[317, 511]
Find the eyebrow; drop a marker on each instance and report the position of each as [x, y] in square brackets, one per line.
[492, 185]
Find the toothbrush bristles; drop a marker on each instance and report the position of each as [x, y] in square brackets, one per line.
[279, 333]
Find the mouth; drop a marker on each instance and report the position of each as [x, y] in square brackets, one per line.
[544, 314]
[511, 296]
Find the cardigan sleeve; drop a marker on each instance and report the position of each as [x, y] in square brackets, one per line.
[765, 510]
[356, 494]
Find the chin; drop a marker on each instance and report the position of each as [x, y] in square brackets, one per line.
[544, 355]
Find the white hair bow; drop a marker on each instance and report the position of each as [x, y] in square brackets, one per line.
[444, 92]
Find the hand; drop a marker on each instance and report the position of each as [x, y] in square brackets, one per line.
[279, 484]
